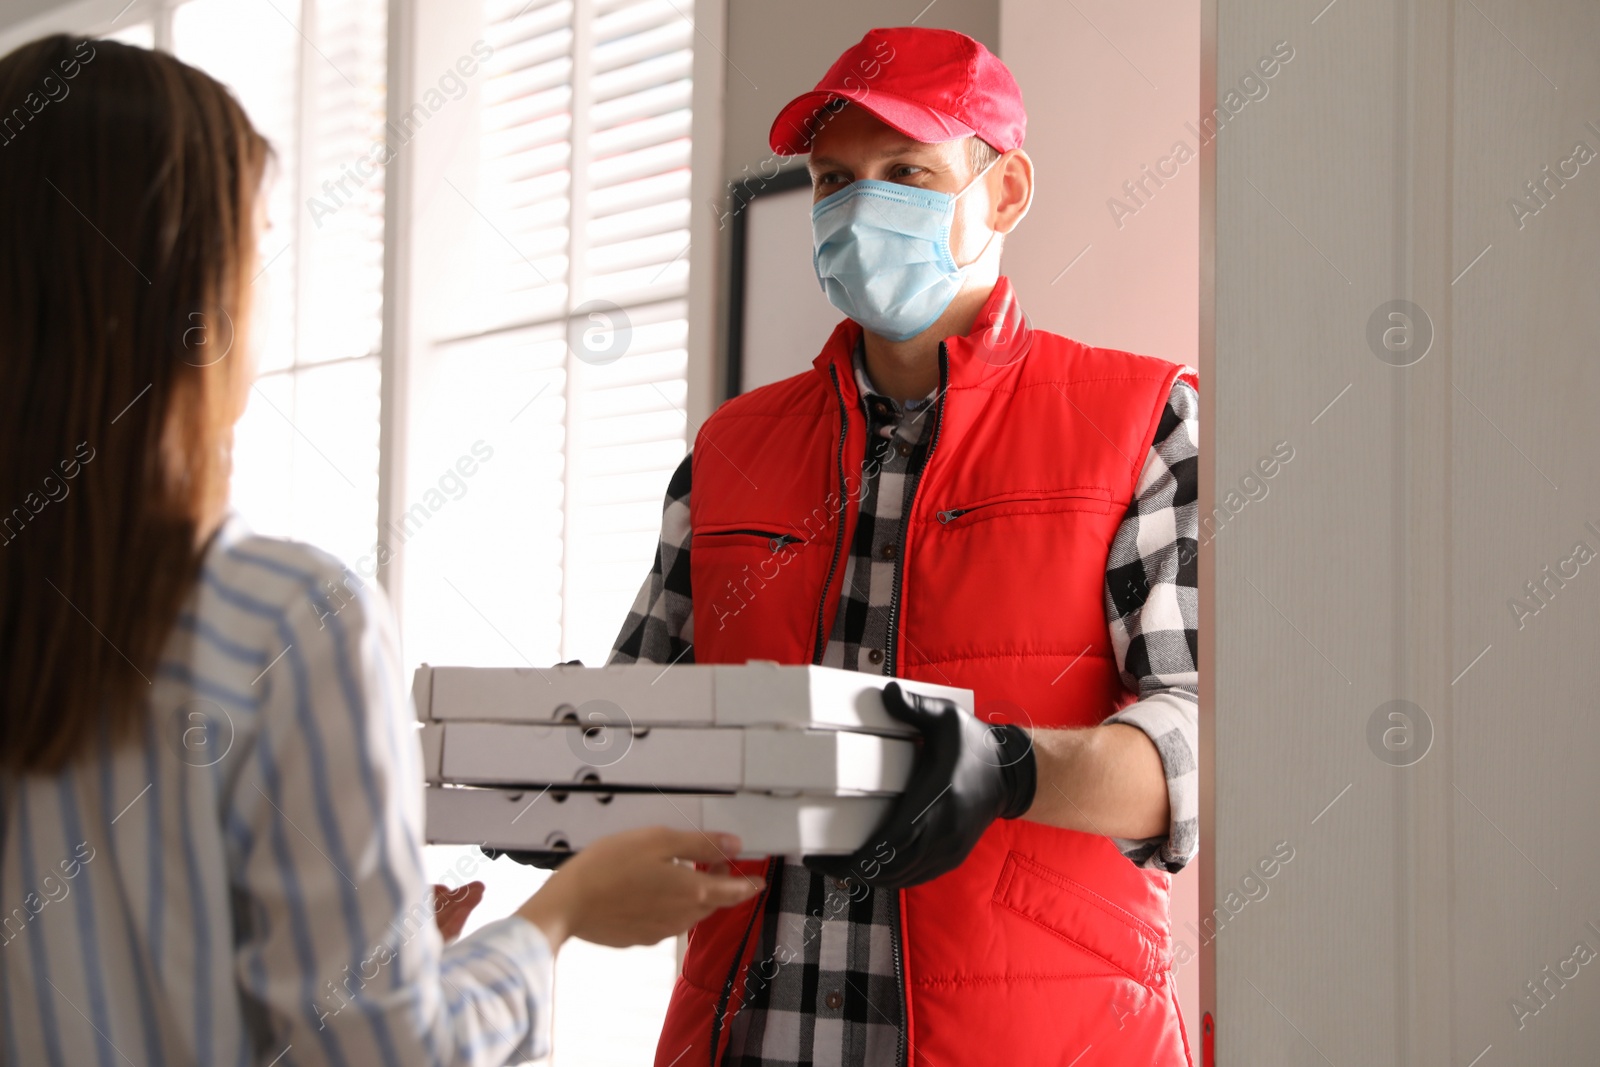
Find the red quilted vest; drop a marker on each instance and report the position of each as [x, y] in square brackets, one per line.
[1045, 942]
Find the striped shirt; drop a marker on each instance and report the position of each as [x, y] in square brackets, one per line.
[245, 885]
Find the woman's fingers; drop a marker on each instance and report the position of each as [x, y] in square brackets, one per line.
[686, 896]
[721, 891]
[694, 845]
[452, 908]
[639, 886]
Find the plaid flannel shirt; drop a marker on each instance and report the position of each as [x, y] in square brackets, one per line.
[835, 996]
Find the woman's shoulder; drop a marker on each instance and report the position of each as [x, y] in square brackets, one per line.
[279, 584]
[259, 602]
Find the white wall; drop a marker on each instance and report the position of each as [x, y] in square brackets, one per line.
[14, 11]
[1109, 88]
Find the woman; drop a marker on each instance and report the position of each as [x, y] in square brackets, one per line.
[210, 785]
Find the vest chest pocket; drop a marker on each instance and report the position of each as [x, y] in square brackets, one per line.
[775, 540]
[752, 592]
[1090, 499]
[1016, 572]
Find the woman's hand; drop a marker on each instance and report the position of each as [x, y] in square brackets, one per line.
[450, 909]
[638, 887]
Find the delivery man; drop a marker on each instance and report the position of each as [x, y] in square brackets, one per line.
[948, 495]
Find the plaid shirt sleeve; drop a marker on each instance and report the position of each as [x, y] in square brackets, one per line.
[660, 625]
[1152, 608]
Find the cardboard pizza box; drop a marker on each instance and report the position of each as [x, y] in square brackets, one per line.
[552, 819]
[698, 759]
[752, 694]
[432, 735]
[816, 762]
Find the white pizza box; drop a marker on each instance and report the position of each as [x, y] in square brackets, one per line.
[825, 761]
[432, 735]
[547, 819]
[704, 759]
[752, 694]
[646, 693]
[795, 826]
[701, 759]
[767, 694]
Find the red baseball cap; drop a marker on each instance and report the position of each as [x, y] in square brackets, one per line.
[931, 85]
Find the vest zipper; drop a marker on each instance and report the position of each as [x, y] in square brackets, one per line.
[900, 979]
[733, 973]
[897, 932]
[952, 514]
[774, 540]
[905, 515]
[838, 537]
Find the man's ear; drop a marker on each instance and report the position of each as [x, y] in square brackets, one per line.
[1015, 193]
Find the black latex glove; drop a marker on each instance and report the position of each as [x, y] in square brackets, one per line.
[544, 860]
[967, 773]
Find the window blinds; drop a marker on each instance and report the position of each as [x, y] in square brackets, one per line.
[583, 195]
[312, 76]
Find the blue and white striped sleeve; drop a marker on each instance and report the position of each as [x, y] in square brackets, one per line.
[338, 955]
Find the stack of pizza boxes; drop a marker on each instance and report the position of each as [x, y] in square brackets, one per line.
[794, 760]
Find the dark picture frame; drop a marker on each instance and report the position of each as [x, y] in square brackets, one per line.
[744, 194]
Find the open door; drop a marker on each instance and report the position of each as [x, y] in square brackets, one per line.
[1401, 251]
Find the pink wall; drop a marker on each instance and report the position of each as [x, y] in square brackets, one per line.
[1099, 111]
[1109, 89]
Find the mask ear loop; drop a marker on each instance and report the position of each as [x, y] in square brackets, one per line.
[992, 233]
[976, 177]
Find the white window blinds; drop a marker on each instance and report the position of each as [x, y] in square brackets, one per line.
[312, 78]
[575, 322]
[585, 155]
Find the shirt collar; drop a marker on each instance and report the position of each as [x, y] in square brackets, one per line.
[871, 394]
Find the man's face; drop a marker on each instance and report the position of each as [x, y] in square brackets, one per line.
[853, 145]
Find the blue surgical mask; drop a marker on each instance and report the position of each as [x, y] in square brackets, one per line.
[882, 253]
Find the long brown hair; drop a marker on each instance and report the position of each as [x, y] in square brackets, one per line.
[128, 191]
